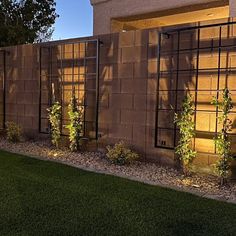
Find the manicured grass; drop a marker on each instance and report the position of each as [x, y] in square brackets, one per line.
[44, 198]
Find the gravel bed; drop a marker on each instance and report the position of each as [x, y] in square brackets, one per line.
[151, 173]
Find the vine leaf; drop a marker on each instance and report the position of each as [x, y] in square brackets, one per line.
[186, 125]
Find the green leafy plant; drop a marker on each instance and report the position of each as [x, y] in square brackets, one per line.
[76, 123]
[222, 140]
[54, 115]
[186, 125]
[14, 132]
[119, 154]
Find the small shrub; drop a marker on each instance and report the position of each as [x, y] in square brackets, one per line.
[222, 140]
[76, 124]
[186, 126]
[14, 132]
[119, 154]
[54, 115]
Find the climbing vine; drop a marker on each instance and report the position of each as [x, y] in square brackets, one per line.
[54, 115]
[76, 123]
[222, 140]
[186, 125]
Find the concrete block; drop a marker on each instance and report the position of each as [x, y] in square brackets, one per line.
[150, 135]
[109, 87]
[126, 39]
[151, 118]
[139, 137]
[141, 69]
[90, 114]
[136, 86]
[27, 74]
[165, 119]
[90, 99]
[201, 160]
[140, 102]
[151, 102]
[109, 116]
[141, 37]
[133, 117]
[124, 101]
[31, 85]
[124, 70]
[106, 40]
[11, 118]
[122, 132]
[26, 122]
[103, 130]
[212, 159]
[104, 100]
[151, 86]
[188, 39]
[105, 72]
[134, 54]
[168, 81]
[11, 97]
[14, 109]
[153, 36]
[187, 61]
[152, 51]
[205, 145]
[25, 98]
[115, 40]
[109, 55]
[31, 110]
[205, 121]
[12, 86]
[152, 68]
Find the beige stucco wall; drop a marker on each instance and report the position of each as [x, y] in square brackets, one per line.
[232, 8]
[105, 10]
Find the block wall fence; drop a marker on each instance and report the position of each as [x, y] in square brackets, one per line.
[127, 91]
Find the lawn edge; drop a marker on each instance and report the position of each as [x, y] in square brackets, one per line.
[148, 182]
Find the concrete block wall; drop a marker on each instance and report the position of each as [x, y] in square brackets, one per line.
[22, 86]
[128, 72]
[128, 88]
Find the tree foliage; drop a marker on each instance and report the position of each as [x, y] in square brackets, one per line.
[26, 21]
[186, 125]
[222, 140]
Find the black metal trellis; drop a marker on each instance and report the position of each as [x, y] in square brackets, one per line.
[3, 89]
[171, 48]
[66, 68]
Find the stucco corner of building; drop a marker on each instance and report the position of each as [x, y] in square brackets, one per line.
[232, 8]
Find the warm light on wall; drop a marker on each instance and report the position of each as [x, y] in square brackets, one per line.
[189, 16]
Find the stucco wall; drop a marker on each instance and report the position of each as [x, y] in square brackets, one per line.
[232, 8]
[105, 10]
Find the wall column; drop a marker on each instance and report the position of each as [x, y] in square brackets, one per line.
[232, 7]
[101, 16]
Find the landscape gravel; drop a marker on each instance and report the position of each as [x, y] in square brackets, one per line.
[151, 173]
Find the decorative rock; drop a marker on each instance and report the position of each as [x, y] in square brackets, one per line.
[150, 173]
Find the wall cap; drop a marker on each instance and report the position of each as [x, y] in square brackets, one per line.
[95, 2]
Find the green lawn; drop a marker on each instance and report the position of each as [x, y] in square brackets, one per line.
[44, 198]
